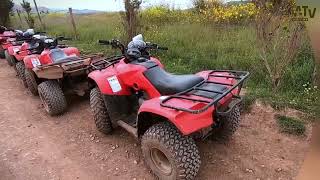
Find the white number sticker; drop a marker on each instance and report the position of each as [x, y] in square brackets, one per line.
[35, 62]
[15, 50]
[114, 84]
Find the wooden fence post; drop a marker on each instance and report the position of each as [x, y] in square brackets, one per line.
[36, 6]
[73, 24]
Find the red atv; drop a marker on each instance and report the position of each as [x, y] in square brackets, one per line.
[6, 36]
[17, 53]
[54, 70]
[13, 43]
[165, 111]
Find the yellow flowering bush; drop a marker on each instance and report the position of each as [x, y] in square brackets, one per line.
[230, 14]
[211, 14]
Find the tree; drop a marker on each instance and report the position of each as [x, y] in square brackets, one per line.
[278, 37]
[130, 17]
[199, 5]
[27, 8]
[5, 10]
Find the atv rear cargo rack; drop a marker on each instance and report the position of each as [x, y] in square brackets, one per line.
[239, 76]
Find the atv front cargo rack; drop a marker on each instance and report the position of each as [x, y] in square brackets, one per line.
[239, 76]
[105, 63]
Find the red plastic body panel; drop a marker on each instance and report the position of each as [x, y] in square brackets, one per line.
[129, 76]
[28, 60]
[12, 50]
[188, 123]
[5, 37]
[45, 58]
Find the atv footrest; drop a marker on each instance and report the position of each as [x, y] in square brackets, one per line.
[210, 92]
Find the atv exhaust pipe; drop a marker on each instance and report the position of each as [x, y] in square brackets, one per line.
[133, 131]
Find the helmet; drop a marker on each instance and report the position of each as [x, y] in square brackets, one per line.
[137, 42]
[133, 53]
[28, 33]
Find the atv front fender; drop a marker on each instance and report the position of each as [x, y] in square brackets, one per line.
[11, 50]
[187, 123]
[28, 61]
[100, 78]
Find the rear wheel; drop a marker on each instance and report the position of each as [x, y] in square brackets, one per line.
[169, 154]
[9, 58]
[100, 113]
[227, 125]
[31, 81]
[20, 70]
[52, 97]
[2, 53]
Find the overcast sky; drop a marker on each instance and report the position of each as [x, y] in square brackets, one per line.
[103, 5]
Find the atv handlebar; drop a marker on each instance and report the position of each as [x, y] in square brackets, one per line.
[114, 43]
[104, 42]
[61, 38]
[155, 46]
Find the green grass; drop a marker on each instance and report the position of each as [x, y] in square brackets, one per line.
[195, 47]
[291, 125]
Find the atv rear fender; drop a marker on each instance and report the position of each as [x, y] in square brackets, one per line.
[187, 123]
[196, 113]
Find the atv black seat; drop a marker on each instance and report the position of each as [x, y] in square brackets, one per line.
[168, 84]
[58, 55]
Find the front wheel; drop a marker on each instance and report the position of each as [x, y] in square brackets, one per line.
[31, 81]
[9, 58]
[2, 55]
[20, 70]
[100, 114]
[169, 154]
[52, 97]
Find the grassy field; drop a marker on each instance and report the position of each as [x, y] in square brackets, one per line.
[194, 47]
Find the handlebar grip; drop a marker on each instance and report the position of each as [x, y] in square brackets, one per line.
[163, 48]
[40, 32]
[104, 42]
[66, 39]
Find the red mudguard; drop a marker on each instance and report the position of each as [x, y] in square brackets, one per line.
[31, 60]
[187, 123]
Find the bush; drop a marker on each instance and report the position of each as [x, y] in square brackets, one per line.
[291, 125]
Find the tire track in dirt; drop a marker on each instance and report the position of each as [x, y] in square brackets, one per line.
[34, 145]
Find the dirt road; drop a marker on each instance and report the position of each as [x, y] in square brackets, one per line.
[35, 146]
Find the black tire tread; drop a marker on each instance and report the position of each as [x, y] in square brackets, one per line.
[31, 81]
[2, 55]
[100, 113]
[54, 97]
[20, 70]
[8, 58]
[229, 125]
[183, 149]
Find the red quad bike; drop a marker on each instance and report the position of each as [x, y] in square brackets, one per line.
[19, 52]
[166, 112]
[13, 44]
[55, 71]
[6, 36]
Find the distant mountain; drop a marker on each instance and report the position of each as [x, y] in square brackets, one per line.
[54, 10]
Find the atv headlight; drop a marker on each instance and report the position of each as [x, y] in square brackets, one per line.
[35, 62]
